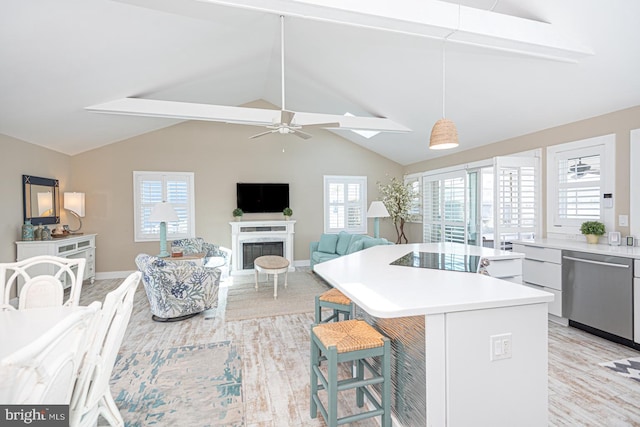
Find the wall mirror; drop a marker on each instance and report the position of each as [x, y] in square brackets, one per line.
[41, 200]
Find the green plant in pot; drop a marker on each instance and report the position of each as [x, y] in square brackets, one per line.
[237, 214]
[287, 212]
[592, 230]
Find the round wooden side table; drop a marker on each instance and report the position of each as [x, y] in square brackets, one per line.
[272, 264]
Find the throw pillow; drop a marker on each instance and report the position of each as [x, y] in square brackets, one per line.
[344, 239]
[369, 243]
[328, 243]
[355, 246]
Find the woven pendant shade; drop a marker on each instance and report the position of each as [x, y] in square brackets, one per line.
[444, 135]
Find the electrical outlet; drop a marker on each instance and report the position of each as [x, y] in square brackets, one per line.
[500, 347]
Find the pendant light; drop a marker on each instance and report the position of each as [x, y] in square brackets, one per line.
[444, 134]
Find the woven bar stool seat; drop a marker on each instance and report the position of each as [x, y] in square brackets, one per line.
[350, 341]
[336, 301]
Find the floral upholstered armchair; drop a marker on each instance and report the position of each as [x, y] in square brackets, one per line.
[177, 290]
[215, 256]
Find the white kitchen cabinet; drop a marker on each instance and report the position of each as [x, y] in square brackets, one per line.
[506, 269]
[74, 246]
[542, 269]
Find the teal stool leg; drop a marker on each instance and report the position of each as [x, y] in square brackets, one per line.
[315, 351]
[386, 385]
[360, 377]
[318, 310]
[332, 386]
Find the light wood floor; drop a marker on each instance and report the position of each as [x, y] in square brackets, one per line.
[275, 355]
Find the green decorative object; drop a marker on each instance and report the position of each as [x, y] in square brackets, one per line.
[46, 233]
[27, 230]
[237, 214]
[287, 212]
[592, 230]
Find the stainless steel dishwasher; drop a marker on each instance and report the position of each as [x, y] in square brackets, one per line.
[598, 294]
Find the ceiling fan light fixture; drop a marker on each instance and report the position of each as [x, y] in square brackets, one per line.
[444, 135]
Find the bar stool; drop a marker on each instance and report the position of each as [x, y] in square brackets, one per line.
[348, 341]
[335, 300]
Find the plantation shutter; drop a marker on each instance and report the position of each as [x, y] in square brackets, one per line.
[345, 204]
[579, 189]
[445, 210]
[154, 187]
[517, 199]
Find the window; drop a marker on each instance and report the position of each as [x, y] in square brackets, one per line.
[345, 204]
[150, 188]
[444, 215]
[578, 175]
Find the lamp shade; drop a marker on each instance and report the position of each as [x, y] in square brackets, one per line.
[163, 212]
[74, 202]
[444, 135]
[377, 209]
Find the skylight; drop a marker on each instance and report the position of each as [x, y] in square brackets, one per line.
[366, 133]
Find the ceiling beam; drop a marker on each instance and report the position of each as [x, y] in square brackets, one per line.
[428, 18]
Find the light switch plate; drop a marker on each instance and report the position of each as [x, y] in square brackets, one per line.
[623, 220]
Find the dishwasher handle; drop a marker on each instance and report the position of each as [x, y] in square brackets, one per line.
[588, 261]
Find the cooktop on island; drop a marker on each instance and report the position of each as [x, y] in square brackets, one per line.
[440, 261]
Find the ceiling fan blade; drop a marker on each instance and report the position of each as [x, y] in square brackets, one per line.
[187, 111]
[323, 125]
[258, 135]
[286, 116]
[301, 134]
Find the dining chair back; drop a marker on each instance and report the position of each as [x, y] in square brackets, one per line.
[38, 281]
[45, 371]
[92, 396]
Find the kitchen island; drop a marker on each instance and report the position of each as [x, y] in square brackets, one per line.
[468, 349]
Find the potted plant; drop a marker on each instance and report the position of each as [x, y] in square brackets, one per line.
[237, 214]
[287, 212]
[396, 197]
[592, 230]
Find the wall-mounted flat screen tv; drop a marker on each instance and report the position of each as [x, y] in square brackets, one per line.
[261, 198]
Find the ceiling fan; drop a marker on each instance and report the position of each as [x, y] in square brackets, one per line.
[280, 121]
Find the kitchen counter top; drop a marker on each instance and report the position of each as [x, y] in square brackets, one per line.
[390, 291]
[573, 245]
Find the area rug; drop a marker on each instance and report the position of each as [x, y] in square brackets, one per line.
[244, 302]
[196, 385]
[629, 368]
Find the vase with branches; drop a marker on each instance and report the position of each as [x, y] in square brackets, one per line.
[396, 196]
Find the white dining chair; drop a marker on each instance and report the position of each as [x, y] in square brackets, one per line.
[45, 371]
[38, 281]
[92, 396]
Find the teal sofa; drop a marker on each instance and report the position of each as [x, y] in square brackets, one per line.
[332, 246]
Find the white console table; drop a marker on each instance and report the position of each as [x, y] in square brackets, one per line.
[73, 246]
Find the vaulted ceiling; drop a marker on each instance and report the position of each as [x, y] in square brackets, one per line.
[60, 57]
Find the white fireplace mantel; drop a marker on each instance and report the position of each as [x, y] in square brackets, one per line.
[260, 231]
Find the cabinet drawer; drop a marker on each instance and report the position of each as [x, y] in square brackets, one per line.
[542, 273]
[505, 268]
[541, 254]
[555, 306]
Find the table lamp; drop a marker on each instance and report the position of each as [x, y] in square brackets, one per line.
[376, 211]
[163, 212]
[74, 203]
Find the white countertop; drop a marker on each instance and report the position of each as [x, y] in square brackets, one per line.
[384, 290]
[574, 245]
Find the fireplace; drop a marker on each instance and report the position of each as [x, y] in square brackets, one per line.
[251, 239]
[253, 250]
